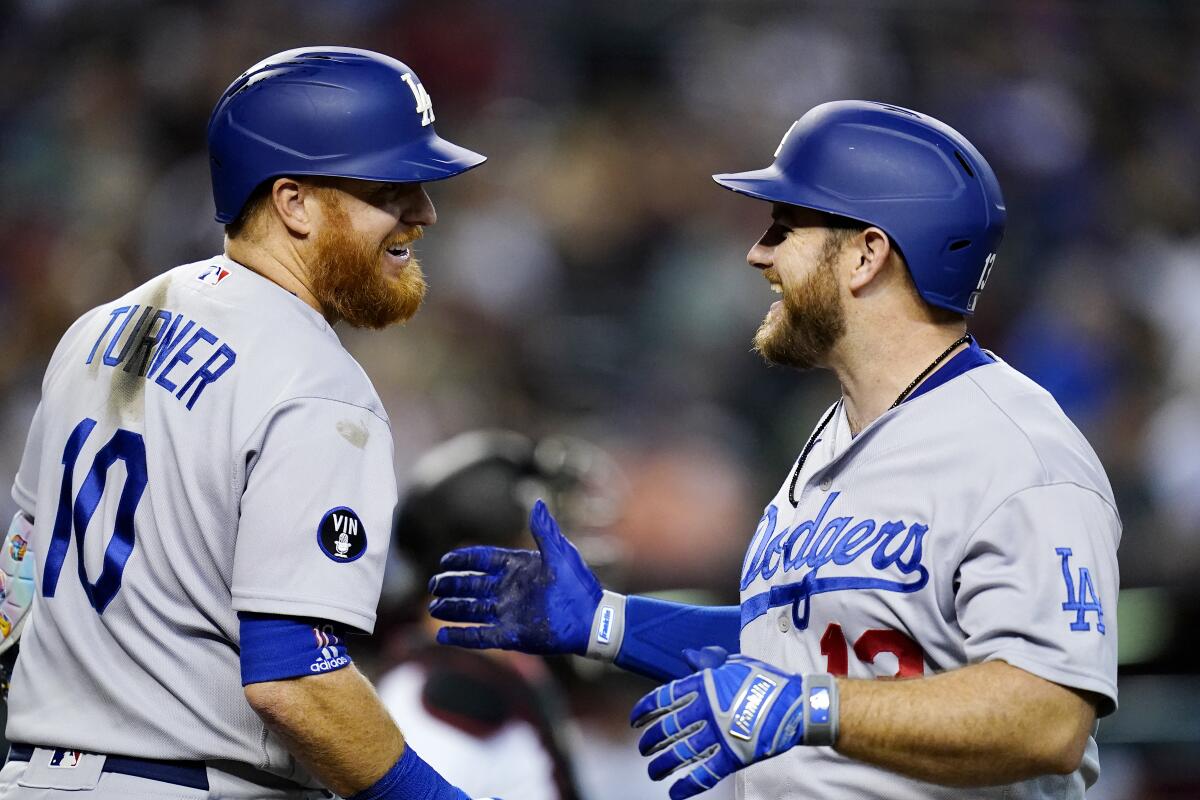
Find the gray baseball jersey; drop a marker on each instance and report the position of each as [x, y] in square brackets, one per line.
[971, 523]
[204, 445]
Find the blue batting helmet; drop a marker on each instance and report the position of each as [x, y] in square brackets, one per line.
[334, 111]
[916, 178]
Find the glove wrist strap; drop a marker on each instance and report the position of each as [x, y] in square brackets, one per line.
[608, 627]
[410, 778]
[821, 709]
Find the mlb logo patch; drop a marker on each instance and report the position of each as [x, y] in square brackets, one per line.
[65, 759]
[213, 274]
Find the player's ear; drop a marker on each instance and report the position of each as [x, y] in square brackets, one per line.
[288, 199]
[870, 252]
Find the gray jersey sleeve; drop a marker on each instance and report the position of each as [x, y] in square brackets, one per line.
[1037, 588]
[316, 513]
[25, 486]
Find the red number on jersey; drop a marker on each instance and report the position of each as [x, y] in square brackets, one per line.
[908, 653]
[833, 647]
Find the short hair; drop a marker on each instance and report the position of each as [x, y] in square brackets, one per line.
[842, 229]
[256, 204]
[251, 209]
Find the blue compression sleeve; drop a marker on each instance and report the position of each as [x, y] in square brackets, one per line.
[657, 631]
[411, 778]
[275, 648]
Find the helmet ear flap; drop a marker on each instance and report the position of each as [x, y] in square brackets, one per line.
[331, 111]
[917, 179]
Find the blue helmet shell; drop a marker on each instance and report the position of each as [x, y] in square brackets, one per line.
[916, 178]
[334, 111]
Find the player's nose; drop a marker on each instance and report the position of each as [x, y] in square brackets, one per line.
[761, 256]
[419, 210]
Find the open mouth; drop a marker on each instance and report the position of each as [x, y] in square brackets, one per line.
[772, 278]
[776, 287]
[396, 259]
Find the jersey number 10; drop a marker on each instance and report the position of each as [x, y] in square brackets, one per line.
[76, 511]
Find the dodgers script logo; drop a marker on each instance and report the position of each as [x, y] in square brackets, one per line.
[871, 547]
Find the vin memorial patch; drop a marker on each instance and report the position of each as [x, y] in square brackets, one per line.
[341, 535]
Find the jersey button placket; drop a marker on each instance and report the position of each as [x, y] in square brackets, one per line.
[784, 623]
[826, 482]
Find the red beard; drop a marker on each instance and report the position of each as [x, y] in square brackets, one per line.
[348, 279]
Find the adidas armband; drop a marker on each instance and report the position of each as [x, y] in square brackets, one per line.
[275, 648]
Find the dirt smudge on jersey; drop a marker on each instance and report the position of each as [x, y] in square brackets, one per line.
[353, 432]
[126, 397]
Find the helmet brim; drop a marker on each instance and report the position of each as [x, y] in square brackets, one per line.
[431, 159]
[772, 185]
[761, 184]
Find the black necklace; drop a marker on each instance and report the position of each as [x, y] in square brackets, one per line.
[966, 337]
[816, 435]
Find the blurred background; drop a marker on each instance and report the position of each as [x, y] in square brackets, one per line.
[589, 280]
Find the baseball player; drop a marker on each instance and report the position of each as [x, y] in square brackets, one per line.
[944, 524]
[208, 481]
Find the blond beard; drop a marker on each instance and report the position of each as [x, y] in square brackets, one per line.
[812, 320]
[348, 279]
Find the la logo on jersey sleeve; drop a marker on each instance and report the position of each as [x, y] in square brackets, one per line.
[341, 535]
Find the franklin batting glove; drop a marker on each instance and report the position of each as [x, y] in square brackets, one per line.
[732, 713]
[537, 601]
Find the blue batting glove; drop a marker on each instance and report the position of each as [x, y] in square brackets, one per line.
[539, 601]
[734, 712]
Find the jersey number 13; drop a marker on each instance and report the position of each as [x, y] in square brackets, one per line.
[910, 658]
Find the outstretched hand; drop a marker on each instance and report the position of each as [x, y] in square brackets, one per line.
[536, 601]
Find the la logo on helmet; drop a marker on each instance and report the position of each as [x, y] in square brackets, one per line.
[424, 103]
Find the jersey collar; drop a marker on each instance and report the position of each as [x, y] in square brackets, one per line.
[962, 362]
[965, 361]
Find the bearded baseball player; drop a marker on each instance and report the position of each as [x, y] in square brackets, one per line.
[945, 524]
[208, 482]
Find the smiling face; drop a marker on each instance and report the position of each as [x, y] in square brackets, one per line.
[363, 270]
[798, 256]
